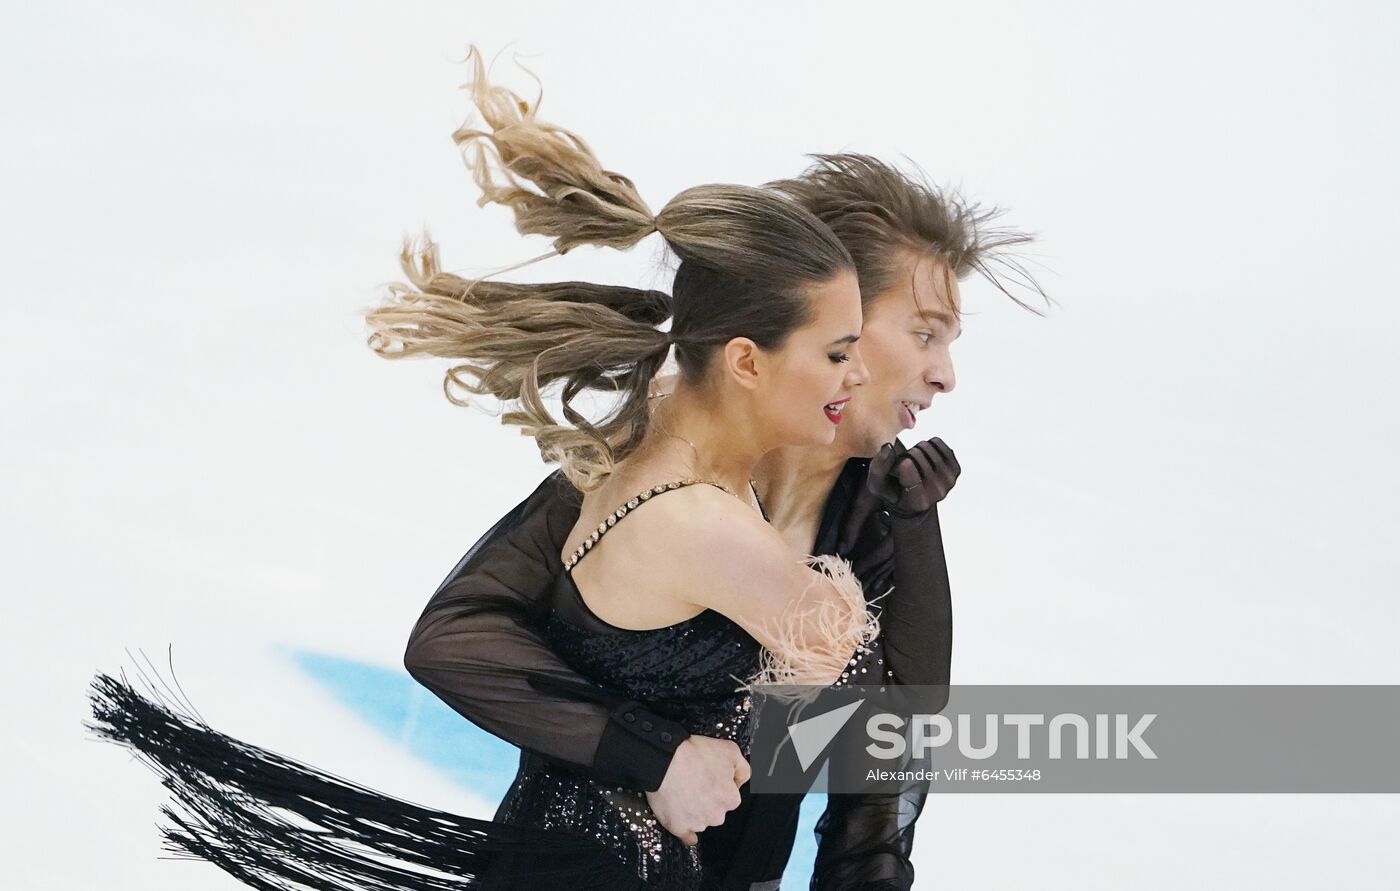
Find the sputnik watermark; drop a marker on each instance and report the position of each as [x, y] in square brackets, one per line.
[929, 732]
[1077, 739]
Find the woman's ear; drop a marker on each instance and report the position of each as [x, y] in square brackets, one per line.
[742, 359]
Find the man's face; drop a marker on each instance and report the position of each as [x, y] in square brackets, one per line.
[905, 344]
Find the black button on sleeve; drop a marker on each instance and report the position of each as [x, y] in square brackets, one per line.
[637, 745]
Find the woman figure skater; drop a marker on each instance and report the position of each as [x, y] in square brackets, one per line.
[684, 610]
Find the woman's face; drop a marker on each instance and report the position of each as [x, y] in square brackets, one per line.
[812, 376]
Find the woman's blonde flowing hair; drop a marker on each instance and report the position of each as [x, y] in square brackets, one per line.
[747, 257]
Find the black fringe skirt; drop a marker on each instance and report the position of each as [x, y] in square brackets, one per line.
[274, 823]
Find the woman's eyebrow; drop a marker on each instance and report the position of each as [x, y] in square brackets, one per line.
[849, 338]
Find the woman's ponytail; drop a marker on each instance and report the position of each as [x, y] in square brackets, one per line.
[573, 199]
[518, 340]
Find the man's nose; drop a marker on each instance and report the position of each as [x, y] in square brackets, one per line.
[940, 375]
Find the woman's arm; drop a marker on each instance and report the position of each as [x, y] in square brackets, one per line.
[715, 552]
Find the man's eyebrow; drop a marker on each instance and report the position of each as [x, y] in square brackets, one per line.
[937, 315]
[849, 338]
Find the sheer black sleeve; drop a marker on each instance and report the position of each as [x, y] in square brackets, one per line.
[477, 648]
[866, 841]
[904, 572]
[917, 620]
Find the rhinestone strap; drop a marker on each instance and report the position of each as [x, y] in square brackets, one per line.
[603, 527]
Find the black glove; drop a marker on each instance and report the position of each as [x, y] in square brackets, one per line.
[889, 472]
[865, 537]
[909, 484]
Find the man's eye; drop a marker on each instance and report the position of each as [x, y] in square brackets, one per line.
[924, 336]
[839, 357]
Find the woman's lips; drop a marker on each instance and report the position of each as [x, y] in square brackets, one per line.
[833, 409]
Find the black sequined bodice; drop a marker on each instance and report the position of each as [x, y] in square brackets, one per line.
[691, 672]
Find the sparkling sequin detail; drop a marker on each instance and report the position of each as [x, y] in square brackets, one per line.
[691, 672]
[866, 667]
[632, 503]
[686, 672]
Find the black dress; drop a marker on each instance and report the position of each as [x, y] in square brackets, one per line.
[692, 673]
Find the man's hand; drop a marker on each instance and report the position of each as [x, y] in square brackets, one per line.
[700, 788]
[908, 485]
[929, 470]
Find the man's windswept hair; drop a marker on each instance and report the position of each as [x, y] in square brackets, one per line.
[879, 211]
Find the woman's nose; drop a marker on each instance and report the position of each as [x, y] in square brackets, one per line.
[856, 372]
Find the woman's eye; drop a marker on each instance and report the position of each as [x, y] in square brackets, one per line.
[924, 336]
[839, 357]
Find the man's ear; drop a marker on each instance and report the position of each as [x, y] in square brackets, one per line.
[742, 362]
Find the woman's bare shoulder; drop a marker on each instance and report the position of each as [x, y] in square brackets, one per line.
[714, 540]
[668, 546]
[692, 526]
